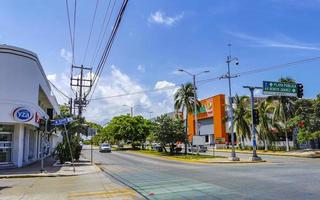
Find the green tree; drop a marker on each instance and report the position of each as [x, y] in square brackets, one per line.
[264, 128]
[283, 110]
[133, 130]
[241, 118]
[169, 131]
[184, 101]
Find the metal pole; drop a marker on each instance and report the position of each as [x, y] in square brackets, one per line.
[131, 111]
[91, 152]
[80, 94]
[254, 145]
[41, 138]
[253, 129]
[195, 105]
[65, 129]
[233, 152]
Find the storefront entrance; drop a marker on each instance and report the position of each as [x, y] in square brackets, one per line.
[6, 134]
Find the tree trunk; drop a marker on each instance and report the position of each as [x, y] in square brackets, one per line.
[242, 138]
[287, 139]
[265, 145]
[164, 148]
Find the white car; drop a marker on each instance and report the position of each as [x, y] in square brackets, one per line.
[105, 147]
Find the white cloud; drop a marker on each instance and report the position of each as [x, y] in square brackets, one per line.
[141, 68]
[52, 77]
[61, 81]
[283, 42]
[160, 17]
[119, 83]
[67, 55]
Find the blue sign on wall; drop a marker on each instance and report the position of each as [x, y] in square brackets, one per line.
[22, 114]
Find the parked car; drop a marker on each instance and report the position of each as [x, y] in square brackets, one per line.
[105, 147]
[194, 148]
[156, 147]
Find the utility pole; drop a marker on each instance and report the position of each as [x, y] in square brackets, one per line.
[195, 105]
[254, 157]
[230, 59]
[78, 81]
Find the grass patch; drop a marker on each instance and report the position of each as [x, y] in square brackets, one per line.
[180, 156]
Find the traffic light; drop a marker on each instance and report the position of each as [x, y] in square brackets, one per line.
[255, 117]
[49, 126]
[299, 90]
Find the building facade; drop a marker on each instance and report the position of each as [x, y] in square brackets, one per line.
[25, 99]
[211, 121]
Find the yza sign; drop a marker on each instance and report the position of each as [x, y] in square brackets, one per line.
[22, 114]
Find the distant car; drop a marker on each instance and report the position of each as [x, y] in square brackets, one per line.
[194, 148]
[156, 147]
[105, 147]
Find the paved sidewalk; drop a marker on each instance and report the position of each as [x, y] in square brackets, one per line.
[59, 182]
[83, 187]
[81, 167]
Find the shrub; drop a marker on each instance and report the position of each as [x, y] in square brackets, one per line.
[63, 151]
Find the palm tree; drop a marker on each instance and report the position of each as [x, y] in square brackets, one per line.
[241, 118]
[183, 101]
[283, 110]
[264, 128]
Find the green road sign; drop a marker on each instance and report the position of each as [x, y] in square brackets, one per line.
[279, 88]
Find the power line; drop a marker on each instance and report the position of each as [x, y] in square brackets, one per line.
[59, 91]
[69, 24]
[108, 46]
[259, 70]
[201, 82]
[92, 24]
[103, 31]
[74, 29]
[138, 92]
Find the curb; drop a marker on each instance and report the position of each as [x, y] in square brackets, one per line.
[198, 161]
[35, 175]
[275, 154]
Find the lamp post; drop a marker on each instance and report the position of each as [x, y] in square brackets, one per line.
[254, 157]
[131, 108]
[229, 60]
[150, 113]
[194, 96]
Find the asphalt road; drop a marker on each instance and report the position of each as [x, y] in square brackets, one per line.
[279, 178]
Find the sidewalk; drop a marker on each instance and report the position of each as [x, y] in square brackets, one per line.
[51, 169]
[59, 182]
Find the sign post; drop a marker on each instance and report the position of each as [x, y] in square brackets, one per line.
[64, 122]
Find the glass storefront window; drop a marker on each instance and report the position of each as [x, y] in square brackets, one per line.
[6, 133]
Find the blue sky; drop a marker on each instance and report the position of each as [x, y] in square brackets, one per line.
[158, 37]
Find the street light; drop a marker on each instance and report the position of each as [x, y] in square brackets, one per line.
[230, 59]
[150, 113]
[131, 108]
[194, 95]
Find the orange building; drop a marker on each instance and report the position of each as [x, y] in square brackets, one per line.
[211, 120]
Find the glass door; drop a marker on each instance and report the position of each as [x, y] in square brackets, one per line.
[6, 133]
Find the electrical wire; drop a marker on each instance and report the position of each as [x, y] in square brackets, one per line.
[108, 46]
[59, 91]
[103, 31]
[259, 70]
[74, 30]
[138, 92]
[92, 24]
[201, 82]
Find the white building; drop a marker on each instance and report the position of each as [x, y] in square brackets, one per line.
[25, 98]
